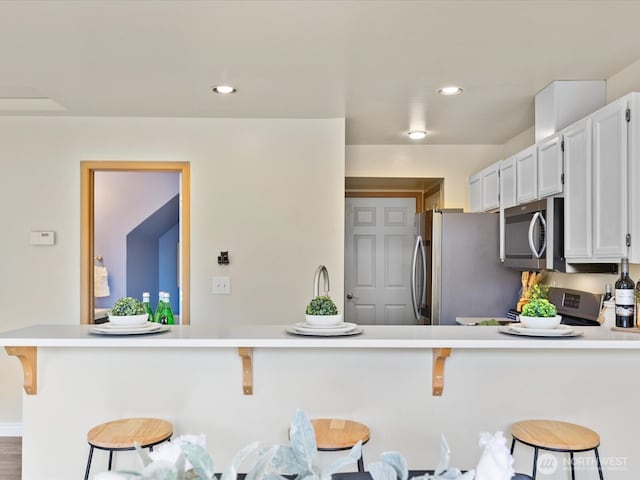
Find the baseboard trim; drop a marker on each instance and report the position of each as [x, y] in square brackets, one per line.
[10, 429]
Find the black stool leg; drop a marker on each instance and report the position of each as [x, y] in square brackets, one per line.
[573, 472]
[535, 462]
[598, 462]
[360, 464]
[513, 444]
[86, 473]
[110, 458]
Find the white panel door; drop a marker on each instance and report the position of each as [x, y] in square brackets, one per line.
[550, 166]
[527, 175]
[578, 207]
[610, 181]
[379, 237]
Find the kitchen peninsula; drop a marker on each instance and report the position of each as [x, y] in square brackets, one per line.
[240, 384]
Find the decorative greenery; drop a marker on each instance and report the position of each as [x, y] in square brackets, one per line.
[186, 458]
[322, 305]
[539, 291]
[128, 306]
[539, 307]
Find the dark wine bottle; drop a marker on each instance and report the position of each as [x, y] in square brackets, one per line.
[625, 297]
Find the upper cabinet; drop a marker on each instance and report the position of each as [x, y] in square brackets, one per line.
[475, 192]
[508, 183]
[490, 187]
[527, 175]
[550, 166]
[484, 189]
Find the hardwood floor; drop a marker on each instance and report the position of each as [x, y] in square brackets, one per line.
[10, 458]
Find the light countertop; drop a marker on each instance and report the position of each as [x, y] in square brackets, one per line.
[275, 336]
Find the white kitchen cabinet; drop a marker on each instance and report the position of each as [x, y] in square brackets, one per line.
[610, 179]
[550, 166]
[508, 183]
[475, 192]
[491, 187]
[527, 175]
[578, 207]
[634, 178]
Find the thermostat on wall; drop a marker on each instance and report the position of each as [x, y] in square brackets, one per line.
[43, 238]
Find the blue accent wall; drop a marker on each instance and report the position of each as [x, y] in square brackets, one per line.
[168, 266]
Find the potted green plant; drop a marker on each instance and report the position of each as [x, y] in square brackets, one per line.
[128, 311]
[322, 312]
[538, 312]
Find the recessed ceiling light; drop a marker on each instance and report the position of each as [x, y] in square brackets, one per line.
[224, 89]
[417, 134]
[450, 90]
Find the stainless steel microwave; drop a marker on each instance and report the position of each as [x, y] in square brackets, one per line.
[533, 239]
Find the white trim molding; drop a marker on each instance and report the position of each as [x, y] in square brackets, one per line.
[10, 429]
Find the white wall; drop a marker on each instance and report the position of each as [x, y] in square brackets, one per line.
[268, 191]
[454, 163]
[625, 81]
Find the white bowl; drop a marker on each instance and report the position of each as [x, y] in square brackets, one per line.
[324, 320]
[540, 322]
[128, 319]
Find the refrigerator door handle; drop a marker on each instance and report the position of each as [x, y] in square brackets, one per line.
[537, 217]
[414, 303]
[424, 278]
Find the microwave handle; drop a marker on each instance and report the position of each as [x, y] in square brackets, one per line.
[537, 216]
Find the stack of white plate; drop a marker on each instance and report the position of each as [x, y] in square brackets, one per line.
[343, 328]
[111, 329]
[559, 331]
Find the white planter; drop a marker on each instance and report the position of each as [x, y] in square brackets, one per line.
[128, 319]
[540, 322]
[324, 320]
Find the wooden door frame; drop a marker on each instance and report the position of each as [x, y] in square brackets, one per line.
[387, 194]
[87, 190]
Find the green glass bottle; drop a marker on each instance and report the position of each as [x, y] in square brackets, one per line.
[159, 309]
[147, 305]
[168, 312]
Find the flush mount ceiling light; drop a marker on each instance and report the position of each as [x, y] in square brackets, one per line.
[450, 90]
[224, 89]
[417, 134]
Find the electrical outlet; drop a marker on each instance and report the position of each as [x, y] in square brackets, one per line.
[221, 285]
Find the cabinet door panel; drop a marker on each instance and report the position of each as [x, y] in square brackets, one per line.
[610, 181]
[508, 183]
[550, 167]
[578, 226]
[490, 188]
[527, 175]
[475, 192]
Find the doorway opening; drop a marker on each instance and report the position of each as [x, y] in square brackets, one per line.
[150, 250]
[380, 231]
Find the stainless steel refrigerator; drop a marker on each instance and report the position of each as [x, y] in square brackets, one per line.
[456, 270]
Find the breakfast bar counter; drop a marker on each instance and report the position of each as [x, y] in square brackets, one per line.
[239, 384]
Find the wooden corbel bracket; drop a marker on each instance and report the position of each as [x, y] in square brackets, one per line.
[28, 357]
[437, 382]
[247, 369]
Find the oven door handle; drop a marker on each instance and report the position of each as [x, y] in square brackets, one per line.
[538, 217]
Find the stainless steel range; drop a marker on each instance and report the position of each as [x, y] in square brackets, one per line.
[577, 307]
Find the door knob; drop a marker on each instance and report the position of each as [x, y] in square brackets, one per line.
[349, 296]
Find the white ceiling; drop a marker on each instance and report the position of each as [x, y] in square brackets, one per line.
[376, 63]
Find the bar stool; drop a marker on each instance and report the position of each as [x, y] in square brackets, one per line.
[333, 434]
[120, 435]
[556, 436]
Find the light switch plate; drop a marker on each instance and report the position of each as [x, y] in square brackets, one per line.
[42, 238]
[221, 285]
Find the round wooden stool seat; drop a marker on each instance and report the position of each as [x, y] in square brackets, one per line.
[122, 434]
[554, 435]
[339, 434]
